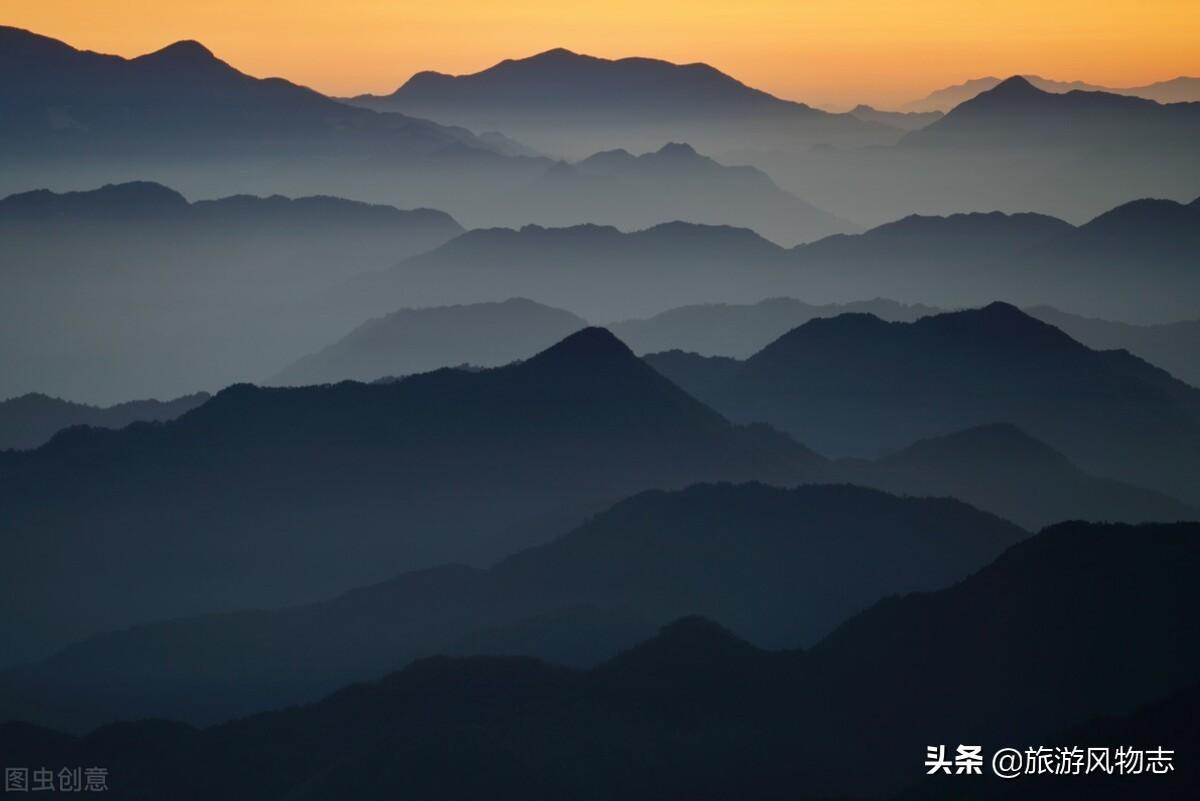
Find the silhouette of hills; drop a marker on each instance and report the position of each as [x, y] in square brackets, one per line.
[1176, 90]
[129, 289]
[671, 183]
[418, 340]
[564, 102]
[31, 420]
[780, 566]
[856, 385]
[1078, 622]
[1016, 114]
[194, 514]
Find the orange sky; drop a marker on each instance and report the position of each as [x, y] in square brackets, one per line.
[824, 52]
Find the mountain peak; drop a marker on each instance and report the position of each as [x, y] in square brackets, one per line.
[677, 150]
[185, 51]
[589, 344]
[693, 645]
[1016, 86]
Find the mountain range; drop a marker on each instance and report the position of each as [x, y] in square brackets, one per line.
[570, 104]
[856, 385]
[1016, 114]
[673, 183]
[31, 420]
[1176, 90]
[725, 718]
[758, 559]
[197, 514]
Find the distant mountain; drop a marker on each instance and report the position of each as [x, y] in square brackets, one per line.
[1001, 469]
[669, 184]
[30, 420]
[348, 484]
[1175, 90]
[739, 330]
[904, 120]
[781, 567]
[1080, 621]
[595, 271]
[1015, 114]
[418, 340]
[1175, 347]
[571, 104]
[857, 385]
[129, 289]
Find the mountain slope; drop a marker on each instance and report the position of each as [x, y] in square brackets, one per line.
[855, 384]
[781, 567]
[234, 504]
[30, 420]
[418, 340]
[725, 718]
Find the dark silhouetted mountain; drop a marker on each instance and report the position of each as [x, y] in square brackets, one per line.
[904, 120]
[781, 567]
[855, 384]
[182, 100]
[31, 420]
[670, 184]
[724, 329]
[568, 103]
[1079, 622]
[418, 340]
[1175, 347]
[1003, 470]
[130, 290]
[347, 484]
[1175, 90]
[595, 271]
[1016, 114]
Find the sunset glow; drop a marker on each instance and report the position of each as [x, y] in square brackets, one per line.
[824, 52]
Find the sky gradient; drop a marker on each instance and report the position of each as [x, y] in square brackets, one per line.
[823, 52]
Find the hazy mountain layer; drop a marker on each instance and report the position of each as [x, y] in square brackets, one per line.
[855, 384]
[570, 104]
[129, 290]
[781, 567]
[725, 719]
[30, 420]
[265, 497]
